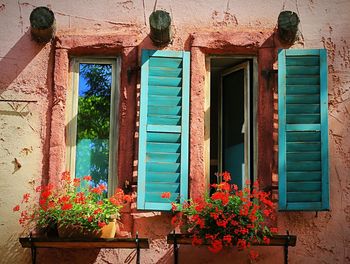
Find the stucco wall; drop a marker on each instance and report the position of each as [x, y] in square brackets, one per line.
[34, 136]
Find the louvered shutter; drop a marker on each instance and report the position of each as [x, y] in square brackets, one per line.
[164, 129]
[303, 130]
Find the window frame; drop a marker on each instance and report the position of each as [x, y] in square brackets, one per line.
[72, 109]
[253, 101]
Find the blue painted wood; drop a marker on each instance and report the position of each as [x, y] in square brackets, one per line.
[165, 90]
[164, 120]
[303, 108]
[303, 99]
[304, 176]
[166, 62]
[164, 81]
[165, 158]
[304, 156]
[303, 89]
[303, 130]
[303, 70]
[163, 167]
[167, 72]
[185, 126]
[163, 187]
[304, 186]
[303, 80]
[163, 147]
[303, 146]
[282, 177]
[303, 119]
[164, 137]
[303, 136]
[303, 127]
[141, 180]
[164, 128]
[161, 100]
[324, 129]
[164, 177]
[303, 61]
[303, 166]
[308, 206]
[156, 197]
[304, 197]
[164, 110]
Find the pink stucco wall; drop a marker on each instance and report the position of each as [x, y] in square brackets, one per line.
[35, 136]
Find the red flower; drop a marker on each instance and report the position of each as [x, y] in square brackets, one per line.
[197, 241]
[100, 202]
[67, 206]
[97, 190]
[97, 211]
[65, 176]
[216, 246]
[16, 208]
[266, 240]
[76, 182]
[166, 195]
[90, 218]
[87, 178]
[227, 239]
[25, 198]
[101, 224]
[221, 196]
[226, 175]
[241, 244]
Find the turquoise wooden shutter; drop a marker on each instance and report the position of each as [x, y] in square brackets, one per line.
[303, 130]
[164, 129]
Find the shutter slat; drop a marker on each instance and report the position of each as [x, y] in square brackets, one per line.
[163, 187]
[164, 110]
[165, 81]
[162, 157]
[159, 100]
[302, 113]
[304, 186]
[304, 196]
[303, 80]
[303, 108]
[163, 147]
[303, 70]
[163, 177]
[304, 156]
[303, 61]
[165, 72]
[303, 99]
[163, 136]
[165, 90]
[164, 120]
[304, 176]
[165, 62]
[303, 89]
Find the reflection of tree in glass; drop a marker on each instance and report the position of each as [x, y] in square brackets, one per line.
[93, 121]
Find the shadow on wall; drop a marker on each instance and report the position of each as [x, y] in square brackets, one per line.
[16, 60]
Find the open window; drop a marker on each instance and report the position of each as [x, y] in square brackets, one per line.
[232, 118]
[92, 120]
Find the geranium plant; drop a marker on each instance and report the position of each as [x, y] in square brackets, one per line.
[228, 217]
[71, 202]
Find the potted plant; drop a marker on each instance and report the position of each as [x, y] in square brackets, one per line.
[75, 206]
[227, 217]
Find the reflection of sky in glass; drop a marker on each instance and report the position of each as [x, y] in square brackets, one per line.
[92, 147]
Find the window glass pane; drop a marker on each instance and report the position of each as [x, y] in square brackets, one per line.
[93, 121]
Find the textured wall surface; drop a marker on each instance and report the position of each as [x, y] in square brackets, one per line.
[32, 135]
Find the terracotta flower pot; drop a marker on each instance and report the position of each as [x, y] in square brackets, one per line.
[75, 231]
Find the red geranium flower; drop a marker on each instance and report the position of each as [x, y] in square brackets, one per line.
[16, 208]
[166, 195]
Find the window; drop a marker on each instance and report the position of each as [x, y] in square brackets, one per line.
[164, 129]
[232, 118]
[92, 120]
[303, 130]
